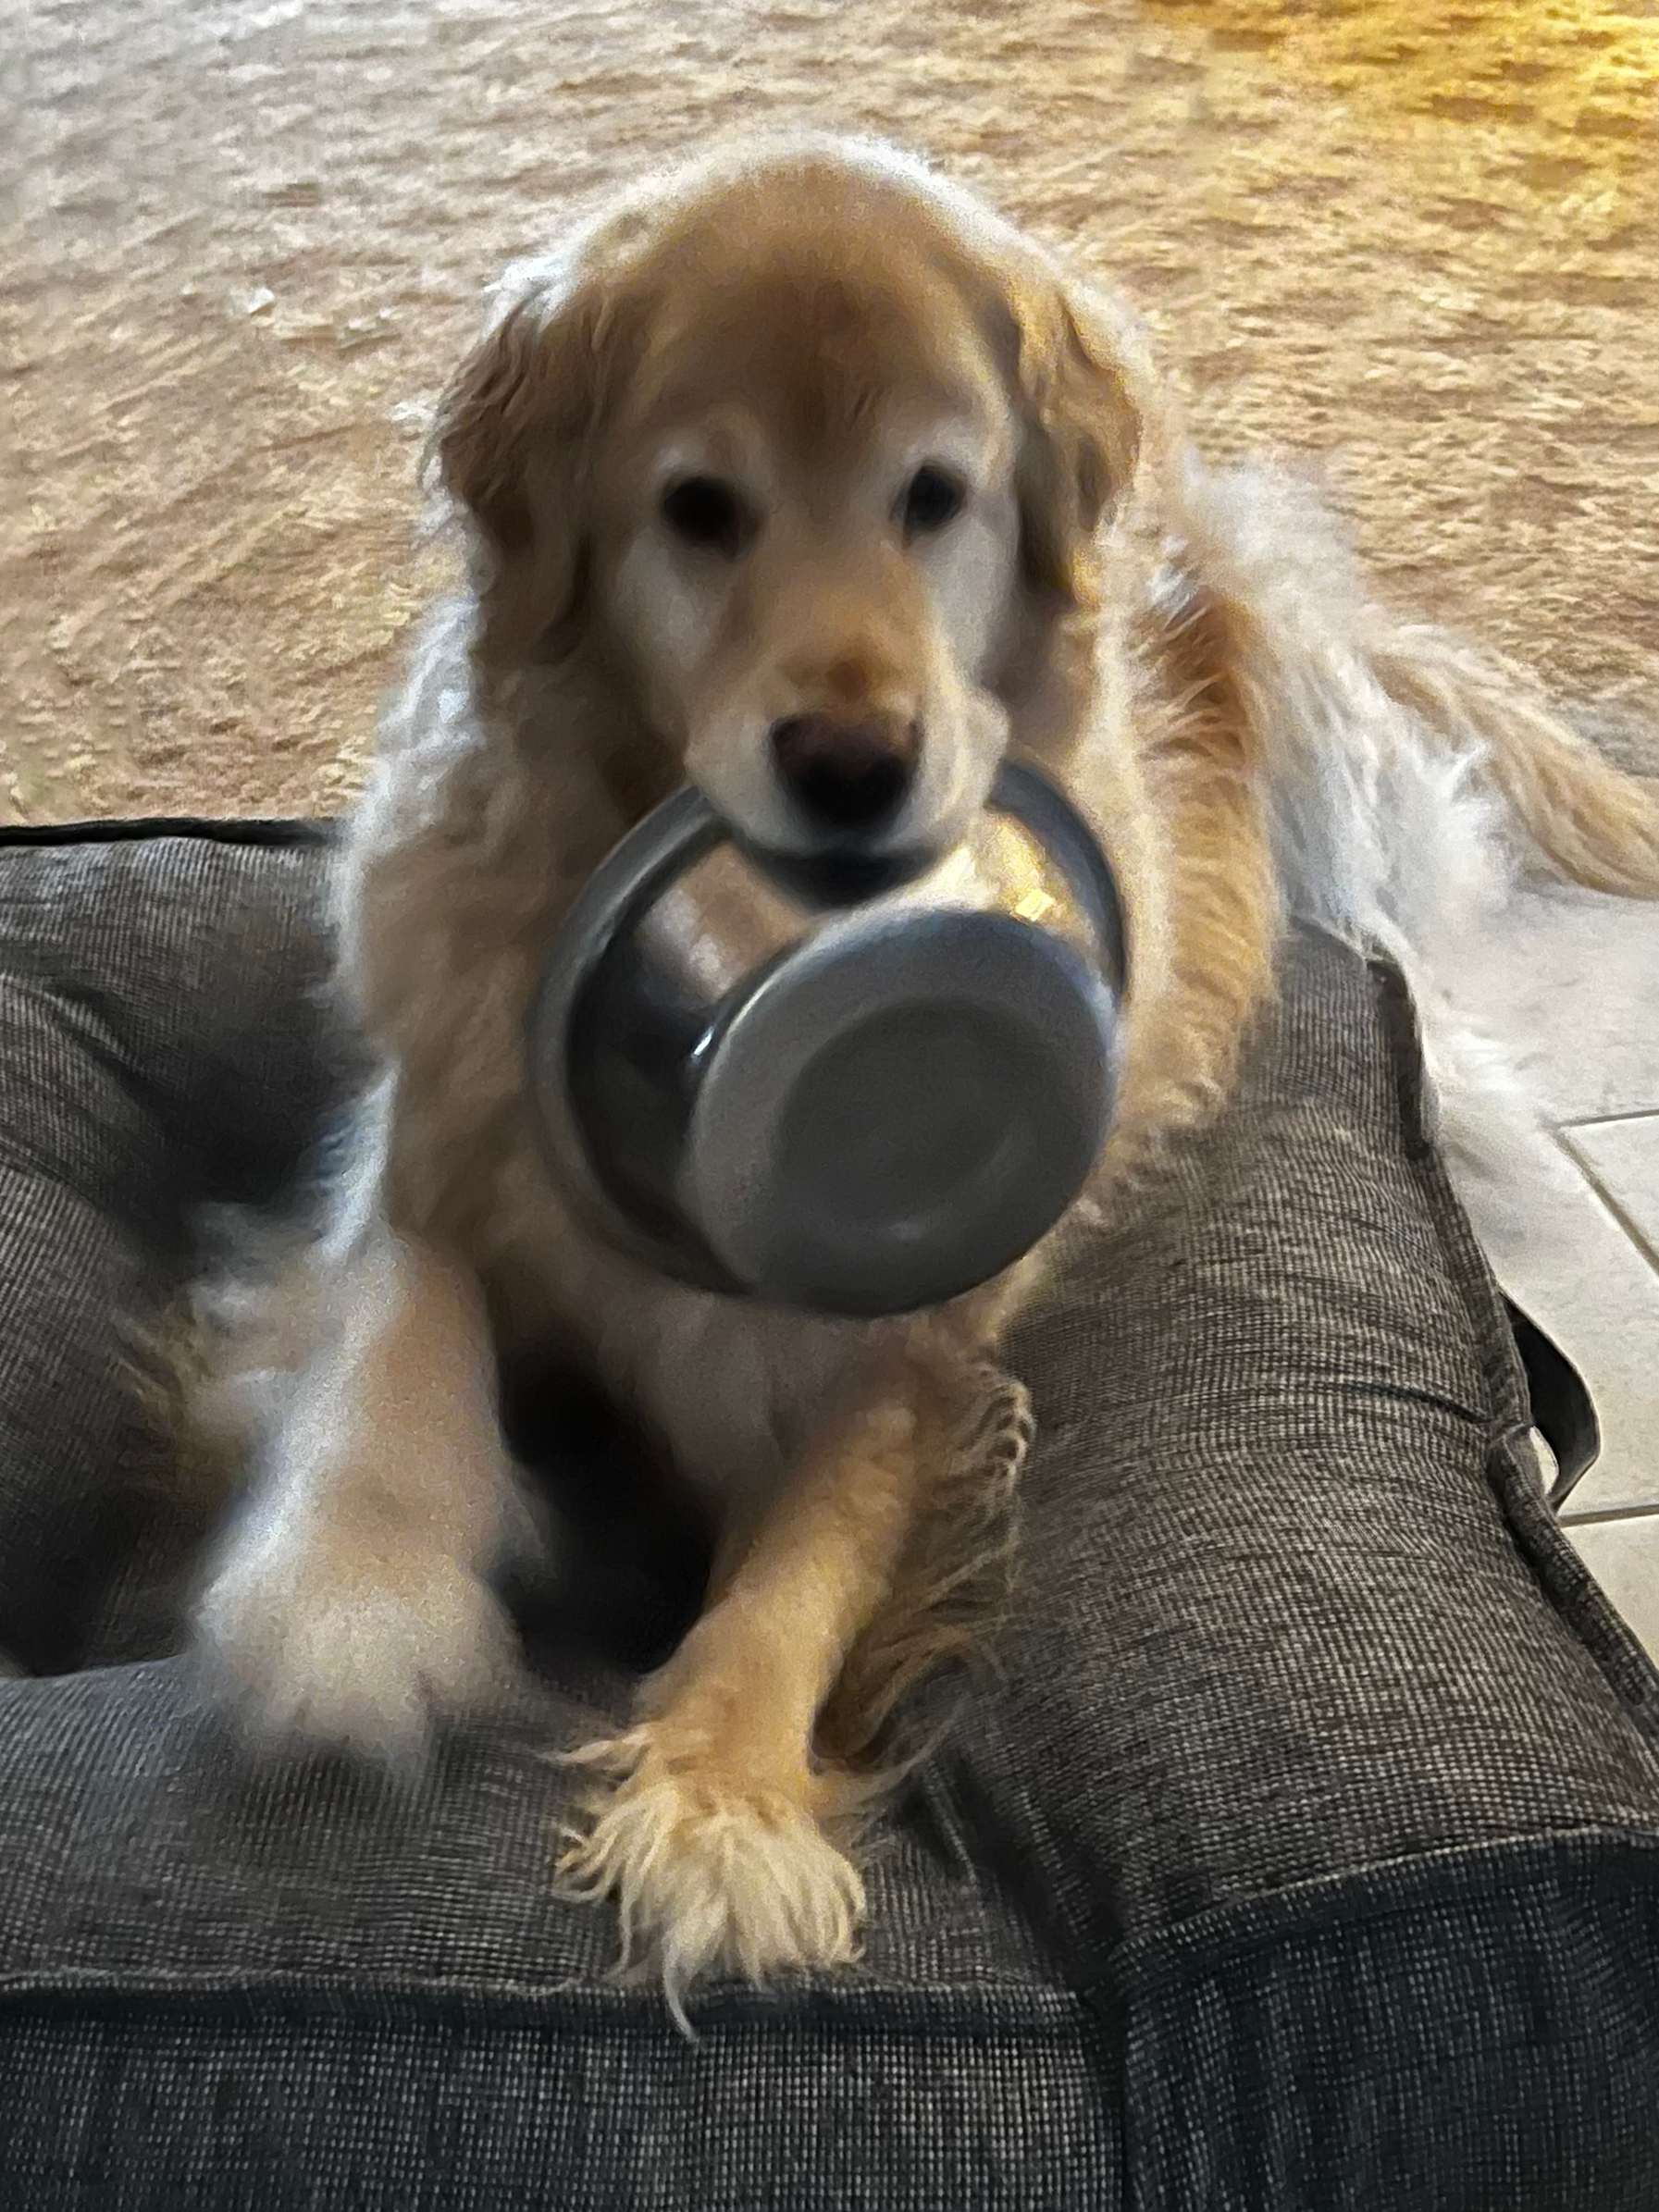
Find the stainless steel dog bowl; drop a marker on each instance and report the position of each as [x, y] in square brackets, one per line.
[855, 1103]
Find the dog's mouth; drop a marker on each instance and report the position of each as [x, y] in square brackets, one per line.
[832, 877]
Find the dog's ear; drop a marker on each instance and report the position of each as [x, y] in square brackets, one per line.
[514, 428]
[1085, 427]
[502, 394]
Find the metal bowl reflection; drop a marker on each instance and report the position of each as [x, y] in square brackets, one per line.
[858, 1105]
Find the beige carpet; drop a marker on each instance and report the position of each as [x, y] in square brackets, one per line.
[242, 242]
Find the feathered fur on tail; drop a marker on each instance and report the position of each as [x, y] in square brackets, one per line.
[1593, 823]
[1415, 783]
[1375, 731]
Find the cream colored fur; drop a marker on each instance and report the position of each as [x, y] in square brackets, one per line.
[1195, 656]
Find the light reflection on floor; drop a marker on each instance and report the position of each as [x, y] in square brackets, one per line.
[1572, 85]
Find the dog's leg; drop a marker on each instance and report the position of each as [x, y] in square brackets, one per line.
[707, 1825]
[350, 1604]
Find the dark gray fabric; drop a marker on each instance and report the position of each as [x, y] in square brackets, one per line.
[1304, 1851]
[159, 1046]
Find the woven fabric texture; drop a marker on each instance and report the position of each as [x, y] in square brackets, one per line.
[1301, 1848]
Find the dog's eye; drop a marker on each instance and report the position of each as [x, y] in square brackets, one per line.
[703, 511]
[932, 499]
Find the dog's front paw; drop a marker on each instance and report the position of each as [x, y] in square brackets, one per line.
[713, 1870]
[361, 1653]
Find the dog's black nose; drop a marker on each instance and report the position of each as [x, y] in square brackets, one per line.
[846, 776]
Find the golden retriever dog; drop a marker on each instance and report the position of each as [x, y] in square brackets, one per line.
[800, 475]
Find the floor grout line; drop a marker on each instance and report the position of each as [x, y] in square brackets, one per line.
[1609, 1120]
[1610, 1512]
[1636, 1234]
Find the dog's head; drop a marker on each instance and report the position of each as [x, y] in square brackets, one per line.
[812, 455]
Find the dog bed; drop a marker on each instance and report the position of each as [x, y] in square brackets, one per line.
[1302, 1850]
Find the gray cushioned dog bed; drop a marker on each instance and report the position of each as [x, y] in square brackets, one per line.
[1306, 1853]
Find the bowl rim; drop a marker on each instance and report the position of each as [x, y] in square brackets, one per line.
[1032, 984]
[678, 831]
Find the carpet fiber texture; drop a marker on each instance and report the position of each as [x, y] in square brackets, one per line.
[242, 241]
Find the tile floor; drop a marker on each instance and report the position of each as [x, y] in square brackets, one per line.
[1575, 985]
